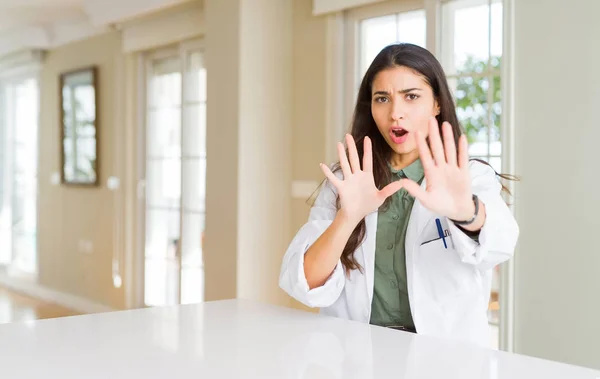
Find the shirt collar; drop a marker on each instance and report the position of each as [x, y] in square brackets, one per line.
[413, 171]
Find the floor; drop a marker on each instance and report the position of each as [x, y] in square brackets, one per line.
[15, 307]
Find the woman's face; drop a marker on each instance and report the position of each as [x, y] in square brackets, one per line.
[402, 102]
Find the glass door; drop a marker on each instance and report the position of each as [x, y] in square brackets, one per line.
[175, 168]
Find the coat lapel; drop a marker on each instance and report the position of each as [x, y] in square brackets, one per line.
[419, 218]
[368, 250]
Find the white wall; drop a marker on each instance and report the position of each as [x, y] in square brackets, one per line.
[265, 170]
[557, 282]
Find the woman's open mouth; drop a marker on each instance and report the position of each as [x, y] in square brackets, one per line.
[398, 135]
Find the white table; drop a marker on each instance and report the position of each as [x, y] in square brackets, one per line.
[243, 339]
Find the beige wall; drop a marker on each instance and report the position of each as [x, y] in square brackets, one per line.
[70, 214]
[308, 134]
[249, 147]
[557, 263]
[222, 127]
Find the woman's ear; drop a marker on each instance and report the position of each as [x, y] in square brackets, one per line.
[436, 108]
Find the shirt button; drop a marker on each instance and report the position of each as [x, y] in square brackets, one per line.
[395, 217]
[390, 246]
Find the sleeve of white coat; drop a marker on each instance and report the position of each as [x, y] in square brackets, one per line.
[499, 234]
[292, 278]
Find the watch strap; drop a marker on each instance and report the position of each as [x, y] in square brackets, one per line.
[468, 222]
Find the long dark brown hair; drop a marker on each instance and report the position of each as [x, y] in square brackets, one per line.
[423, 62]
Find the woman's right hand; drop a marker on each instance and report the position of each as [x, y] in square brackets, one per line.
[358, 194]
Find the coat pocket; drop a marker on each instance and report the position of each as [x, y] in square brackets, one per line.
[446, 276]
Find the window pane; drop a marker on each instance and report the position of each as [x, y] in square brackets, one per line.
[24, 246]
[194, 184]
[472, 110]
[193, 234]
[194, 141]
[496, 40]
[195, 88]
[192, 285]
[465, 35]
[163, 177]
[376, 33]
[23, 123]
[162, 233]
[164, 133]
[412, 28]
[165, 83]
[161, 282]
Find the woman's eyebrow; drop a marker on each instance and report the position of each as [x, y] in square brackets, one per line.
[401, 91]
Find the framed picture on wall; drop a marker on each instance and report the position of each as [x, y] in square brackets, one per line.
[79, 126]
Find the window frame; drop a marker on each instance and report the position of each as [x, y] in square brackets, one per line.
[180, 50]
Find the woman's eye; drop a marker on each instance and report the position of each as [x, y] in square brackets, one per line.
[381, 99]
[412, 96]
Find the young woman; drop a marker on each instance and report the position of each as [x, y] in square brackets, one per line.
[406, 230]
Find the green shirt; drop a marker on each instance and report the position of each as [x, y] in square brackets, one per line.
[390, 304]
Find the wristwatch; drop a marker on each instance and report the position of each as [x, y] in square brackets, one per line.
[467, 222]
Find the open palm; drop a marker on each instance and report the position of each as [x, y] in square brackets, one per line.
[358, 194]
[448, 183]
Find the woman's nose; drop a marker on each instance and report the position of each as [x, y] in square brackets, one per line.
[397, 113]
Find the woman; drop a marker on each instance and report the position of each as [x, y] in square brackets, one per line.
[408, 239]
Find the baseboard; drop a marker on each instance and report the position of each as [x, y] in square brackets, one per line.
[66, 300]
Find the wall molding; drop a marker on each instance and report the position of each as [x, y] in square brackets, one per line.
[105, 12]
[321, 7]
[33, 289]
[168, 27]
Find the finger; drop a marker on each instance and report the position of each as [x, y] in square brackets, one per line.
[344, 160]
[415, 190]
[330, 175]
[436, 142]
[352, 153]
[424, 152]
[368, 155]
[449, 145]
[390, 189]
[463, 152]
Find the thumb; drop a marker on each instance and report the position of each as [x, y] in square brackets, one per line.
[390, 189]
[414, 189]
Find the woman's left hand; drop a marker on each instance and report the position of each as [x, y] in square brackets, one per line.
[448, 182]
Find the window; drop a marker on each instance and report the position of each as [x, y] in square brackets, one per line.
[468, 42]
[175, 174]
[471, 54]
[378, 32]
[18, 179]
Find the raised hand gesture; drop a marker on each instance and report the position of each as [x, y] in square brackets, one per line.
[448, 183]
[358, 194]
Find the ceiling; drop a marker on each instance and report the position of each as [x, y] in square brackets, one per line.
[44, 24]
[15, 14]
